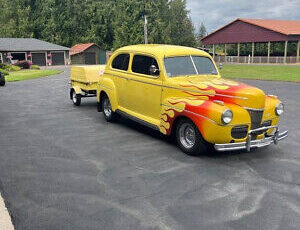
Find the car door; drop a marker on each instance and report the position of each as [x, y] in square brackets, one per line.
[143, 90]
[119, 73]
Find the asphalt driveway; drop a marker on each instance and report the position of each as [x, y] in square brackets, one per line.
[64, 167]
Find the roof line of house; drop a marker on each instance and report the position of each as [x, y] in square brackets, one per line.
[246, 21]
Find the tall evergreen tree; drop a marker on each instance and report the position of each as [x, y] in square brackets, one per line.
[182, 31]
[201, 33]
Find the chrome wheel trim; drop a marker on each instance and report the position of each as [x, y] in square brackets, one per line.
[187, 135]
[107, 107]
[74, 97]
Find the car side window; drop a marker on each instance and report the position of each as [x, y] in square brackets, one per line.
[141, 64]
[121, 62]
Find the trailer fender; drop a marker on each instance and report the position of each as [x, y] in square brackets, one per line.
[77, 89]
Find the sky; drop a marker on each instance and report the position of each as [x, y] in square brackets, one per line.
[217, 13]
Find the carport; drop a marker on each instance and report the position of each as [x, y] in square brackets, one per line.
[256, 33]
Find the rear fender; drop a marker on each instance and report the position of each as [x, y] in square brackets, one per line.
[107, 86]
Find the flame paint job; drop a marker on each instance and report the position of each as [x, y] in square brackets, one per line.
[196, 102]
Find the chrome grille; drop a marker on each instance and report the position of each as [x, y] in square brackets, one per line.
[256, 116]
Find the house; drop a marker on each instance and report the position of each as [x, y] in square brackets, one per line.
[39, 52]
[87, 54]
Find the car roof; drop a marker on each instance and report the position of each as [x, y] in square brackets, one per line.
[162, 51]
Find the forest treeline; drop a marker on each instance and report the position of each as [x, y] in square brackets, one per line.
[108, 23]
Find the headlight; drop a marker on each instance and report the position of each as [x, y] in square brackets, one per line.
[227, 117]
[279, 109]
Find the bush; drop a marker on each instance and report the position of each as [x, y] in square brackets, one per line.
[34, 67]
[23, 64]
[5, 72]
[14, 68]
[4, 66]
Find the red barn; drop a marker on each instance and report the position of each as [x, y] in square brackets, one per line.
[254, 31]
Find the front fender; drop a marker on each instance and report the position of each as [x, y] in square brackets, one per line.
[205, 114]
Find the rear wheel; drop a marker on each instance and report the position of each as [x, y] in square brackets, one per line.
[189, 138]
[108, 113]
[76, 98]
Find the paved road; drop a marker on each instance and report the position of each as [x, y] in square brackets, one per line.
[64, 167]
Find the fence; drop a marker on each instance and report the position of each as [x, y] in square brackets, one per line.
[258, 60]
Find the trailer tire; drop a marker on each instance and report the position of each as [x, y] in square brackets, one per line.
[76, 98]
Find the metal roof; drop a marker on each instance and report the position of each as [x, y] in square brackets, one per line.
[244, 30]
[28, 44]
[79, 48]
[282, 26]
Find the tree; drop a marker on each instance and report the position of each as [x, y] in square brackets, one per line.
[181, 26]
[201, 33]
[108, 23]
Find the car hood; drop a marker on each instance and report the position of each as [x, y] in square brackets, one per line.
[221, 89]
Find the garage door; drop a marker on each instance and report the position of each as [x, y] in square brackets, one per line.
[39, 59]
[90, 58]
[58, 58]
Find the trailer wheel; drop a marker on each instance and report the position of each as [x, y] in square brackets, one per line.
[108, 113]
[76, 98]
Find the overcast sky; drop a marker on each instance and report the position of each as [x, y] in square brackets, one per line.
[216, 13]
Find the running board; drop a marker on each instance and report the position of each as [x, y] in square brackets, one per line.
[140, 121]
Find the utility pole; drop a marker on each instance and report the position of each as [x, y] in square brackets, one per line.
[146, 30]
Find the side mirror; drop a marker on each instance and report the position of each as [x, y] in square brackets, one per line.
[154, 70]
[220, 65]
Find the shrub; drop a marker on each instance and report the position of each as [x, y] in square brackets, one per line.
[14, 68]
[4, 66]
[5, 72]
[23, 64]
[34, 67]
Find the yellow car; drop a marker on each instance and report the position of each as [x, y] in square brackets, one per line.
[178, 90]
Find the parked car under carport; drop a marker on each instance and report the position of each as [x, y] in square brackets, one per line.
[2, 79]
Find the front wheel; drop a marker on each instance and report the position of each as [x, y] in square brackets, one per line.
[189, 138]
[108, 113]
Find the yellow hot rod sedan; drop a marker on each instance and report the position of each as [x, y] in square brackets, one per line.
[178, 90]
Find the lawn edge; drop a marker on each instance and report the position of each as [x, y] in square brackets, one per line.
[58, 72]
[258, 79]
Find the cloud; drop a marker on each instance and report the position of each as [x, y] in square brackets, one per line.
[215, 14]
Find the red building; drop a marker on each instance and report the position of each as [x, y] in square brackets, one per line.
[254, 31]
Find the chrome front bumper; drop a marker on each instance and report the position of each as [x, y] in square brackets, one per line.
[277, 136]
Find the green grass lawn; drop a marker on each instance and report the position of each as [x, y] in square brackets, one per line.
[262, 72]
[30, 74]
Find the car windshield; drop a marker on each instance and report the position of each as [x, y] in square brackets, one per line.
[189, 65]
